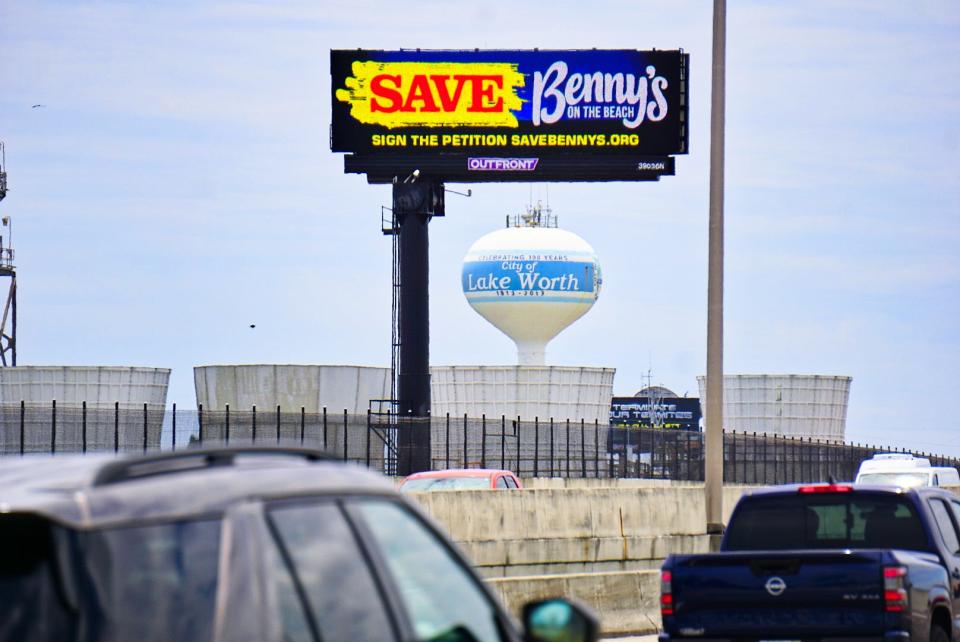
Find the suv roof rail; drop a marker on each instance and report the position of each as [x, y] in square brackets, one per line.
[195, 459]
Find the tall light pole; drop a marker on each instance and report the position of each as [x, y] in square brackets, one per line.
[714, 419]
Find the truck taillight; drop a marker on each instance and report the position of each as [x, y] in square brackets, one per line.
[826, 488]
[666, 593]
[894, 591]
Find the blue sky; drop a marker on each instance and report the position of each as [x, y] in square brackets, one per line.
[178, 187]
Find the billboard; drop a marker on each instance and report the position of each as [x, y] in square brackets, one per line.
[680, 413]
[498, 115]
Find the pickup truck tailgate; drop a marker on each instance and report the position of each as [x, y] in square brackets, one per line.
[778, 595]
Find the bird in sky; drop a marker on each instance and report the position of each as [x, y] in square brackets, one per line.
[253, 325]
[37, 105]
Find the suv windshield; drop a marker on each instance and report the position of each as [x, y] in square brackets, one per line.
[444, 483]
[841, 520]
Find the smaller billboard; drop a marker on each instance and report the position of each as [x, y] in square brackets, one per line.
[677, 413]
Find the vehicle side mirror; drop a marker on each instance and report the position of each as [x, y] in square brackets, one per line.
[559, 620]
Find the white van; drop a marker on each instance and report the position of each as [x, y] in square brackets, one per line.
[898, 469]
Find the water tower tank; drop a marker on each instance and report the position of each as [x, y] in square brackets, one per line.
[531, 280]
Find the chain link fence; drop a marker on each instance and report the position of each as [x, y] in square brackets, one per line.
[538, 448]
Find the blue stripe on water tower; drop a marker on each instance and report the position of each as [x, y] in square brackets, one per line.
[521, 278]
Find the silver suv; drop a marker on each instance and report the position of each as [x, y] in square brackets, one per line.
[238, 544]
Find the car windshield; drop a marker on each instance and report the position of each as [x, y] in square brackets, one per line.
[444, 483]
[905, 480]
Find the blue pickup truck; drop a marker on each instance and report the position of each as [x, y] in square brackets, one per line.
[823, 562]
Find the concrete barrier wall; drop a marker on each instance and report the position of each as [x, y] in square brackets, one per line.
[626, 602]
[624, 510]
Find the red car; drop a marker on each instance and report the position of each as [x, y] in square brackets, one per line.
[460, 479]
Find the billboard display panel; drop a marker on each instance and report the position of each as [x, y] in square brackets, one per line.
[510, 114]
[681, 413]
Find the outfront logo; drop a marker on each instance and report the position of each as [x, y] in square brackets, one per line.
[775, 586]
[433, 94]
[502, 164]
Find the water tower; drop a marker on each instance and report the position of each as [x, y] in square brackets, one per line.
[530, 280]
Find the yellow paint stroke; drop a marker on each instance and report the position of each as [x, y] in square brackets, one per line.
[359, 94]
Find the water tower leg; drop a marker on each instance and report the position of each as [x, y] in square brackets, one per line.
[414, 204]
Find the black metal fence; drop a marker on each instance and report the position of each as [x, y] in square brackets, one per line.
[538, 448]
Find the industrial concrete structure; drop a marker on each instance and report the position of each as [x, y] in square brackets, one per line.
[791, 405]
[106, 391]
[528, 392]
[556, 392]
[292, 387]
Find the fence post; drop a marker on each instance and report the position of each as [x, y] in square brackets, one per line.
[583, 450]
[325, 442]
[253, 425]
[226, 429]
[733, 457]
[568, 447]
[503, 441]
[23, 418]
[345, 451]
[278, 423]
[368, 437]
[173, 434]
[303, 425]
[519, 446]
[116, 426]
[536, 446]
[200, 422]
[53, 429]
[765, 459]
[552, 469]
[447, 446]
[483, 441]
[465, 440]
[612, 437]
[797, 461]
[83, 427]
[626, 452]
[596, 448]
[144, 427]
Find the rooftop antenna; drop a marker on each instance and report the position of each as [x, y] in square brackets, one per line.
[534, 216]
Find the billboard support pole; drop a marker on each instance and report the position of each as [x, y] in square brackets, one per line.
[415, 202]
[713, 486]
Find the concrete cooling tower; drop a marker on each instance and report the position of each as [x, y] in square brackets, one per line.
[291, 387]
[529, 392]
[807, 406]
[107, 391]
[531, 281]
